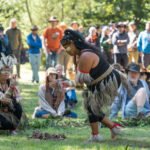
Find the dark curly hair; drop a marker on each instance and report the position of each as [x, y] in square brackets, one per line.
[78, 39]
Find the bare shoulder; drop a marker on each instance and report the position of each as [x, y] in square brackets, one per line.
[87, 61]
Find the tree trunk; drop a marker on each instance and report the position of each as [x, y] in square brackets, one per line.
[28, 11]
[62, 10]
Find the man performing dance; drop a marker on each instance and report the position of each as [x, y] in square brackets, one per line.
[101, 79]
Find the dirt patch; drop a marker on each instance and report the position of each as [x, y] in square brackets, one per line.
[47, 136]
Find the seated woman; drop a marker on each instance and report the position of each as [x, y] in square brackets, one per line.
[10, 108]
[69, 86]
[51, 97]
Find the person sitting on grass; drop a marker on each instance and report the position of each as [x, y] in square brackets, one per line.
[51, 97]
[69, 86]
[133, 103]
[10, 108]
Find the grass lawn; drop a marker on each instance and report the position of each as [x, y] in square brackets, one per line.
[133, 139]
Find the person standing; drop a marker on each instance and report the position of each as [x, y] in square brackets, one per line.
[120, 41]
[35, 43]
[132, 46]
[52, 36]
[93, 37]
[63, 57]
[143, 45]
[105, 42]
[4, 43]
[14, 37]
[75, 26]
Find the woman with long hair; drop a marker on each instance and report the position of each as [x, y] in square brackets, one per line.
[101, 79]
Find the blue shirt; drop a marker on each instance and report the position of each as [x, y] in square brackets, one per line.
[120, 101]
[4, 44]
[133, 90]
[143, 42]
[34, 44]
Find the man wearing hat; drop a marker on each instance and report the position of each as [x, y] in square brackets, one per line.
[75, 26]
[4, 43]
[120, 41]
[34, 42]
[133, 102]
[52, 37]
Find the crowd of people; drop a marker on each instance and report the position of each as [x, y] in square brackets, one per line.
[116, 74]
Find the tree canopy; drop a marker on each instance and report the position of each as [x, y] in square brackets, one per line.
[86, 12]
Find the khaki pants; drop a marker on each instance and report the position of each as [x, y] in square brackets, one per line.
[133, 56]
[17, 54]
[65, 60]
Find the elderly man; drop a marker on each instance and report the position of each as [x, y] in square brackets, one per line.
[135, 102]
[14, 37]
[143, 44]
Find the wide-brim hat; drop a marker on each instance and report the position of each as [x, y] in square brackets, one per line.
[120, 24]
[132, 23]
[53, 19]
[74, 22]
[34, 27]
[133, 67]
[51, 70]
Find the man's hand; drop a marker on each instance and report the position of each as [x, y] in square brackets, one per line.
[13, 81]
[53, 83]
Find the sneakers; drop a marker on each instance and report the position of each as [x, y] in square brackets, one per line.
[96, 138]
[14, 132]
[116, 130]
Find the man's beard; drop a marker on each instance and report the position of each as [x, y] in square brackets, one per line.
[133, 80]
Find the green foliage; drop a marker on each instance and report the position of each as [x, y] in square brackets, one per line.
[86, 12]
[76, 131]
[56, 122]
[134, 122]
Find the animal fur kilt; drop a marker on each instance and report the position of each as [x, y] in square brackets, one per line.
[102, 91]
[10, 119]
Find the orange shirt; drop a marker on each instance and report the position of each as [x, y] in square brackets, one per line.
[53, 37]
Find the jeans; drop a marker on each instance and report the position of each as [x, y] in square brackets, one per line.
[35, 60]
[122, 59]
[51, 59]
[40, 113]
[131, 110]
[146, 60]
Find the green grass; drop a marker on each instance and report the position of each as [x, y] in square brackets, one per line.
[133, 139]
